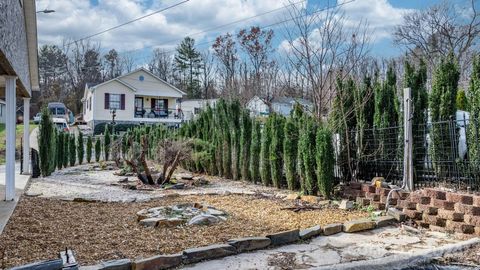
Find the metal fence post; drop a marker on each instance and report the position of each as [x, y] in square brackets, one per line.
[408, 140]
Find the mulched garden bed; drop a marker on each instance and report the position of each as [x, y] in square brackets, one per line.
[40, 228]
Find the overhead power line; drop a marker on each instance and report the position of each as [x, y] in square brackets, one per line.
[129, 22]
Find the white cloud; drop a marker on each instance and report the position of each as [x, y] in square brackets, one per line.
[76, 19]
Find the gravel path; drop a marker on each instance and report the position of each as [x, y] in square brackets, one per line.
[89, 182]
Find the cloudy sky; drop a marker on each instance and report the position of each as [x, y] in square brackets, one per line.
[75, 19]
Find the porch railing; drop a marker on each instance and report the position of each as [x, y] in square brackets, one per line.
[148, 112]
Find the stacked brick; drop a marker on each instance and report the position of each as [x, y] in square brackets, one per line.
[438, 210]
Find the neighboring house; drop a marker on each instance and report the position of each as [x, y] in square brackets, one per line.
[136, 97]
[192, 107]
[18, 77]
[281, 105]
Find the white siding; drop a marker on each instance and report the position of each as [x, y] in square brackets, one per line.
[257, 106]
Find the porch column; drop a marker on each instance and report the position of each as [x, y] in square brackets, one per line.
[26, 135]
[10, 125]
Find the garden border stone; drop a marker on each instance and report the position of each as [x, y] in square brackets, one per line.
[333, 228]
[193, 255]
[122, 264]
[310, 232]
[249, 243]
[284, 237]
[56, 264]
[158, 262]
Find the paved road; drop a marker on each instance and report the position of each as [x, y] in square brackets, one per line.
[2, 170]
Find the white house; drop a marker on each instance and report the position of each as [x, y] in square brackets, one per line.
[281, 105]
[192, 107]
[136, 97]
[2, 111]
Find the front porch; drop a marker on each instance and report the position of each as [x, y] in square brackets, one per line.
[157, 109]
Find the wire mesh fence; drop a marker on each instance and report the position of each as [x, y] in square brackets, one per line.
[444, 153]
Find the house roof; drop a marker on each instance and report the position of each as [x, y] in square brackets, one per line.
[292, 100]
[92, 86]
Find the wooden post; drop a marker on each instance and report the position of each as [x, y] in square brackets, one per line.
[408, 140]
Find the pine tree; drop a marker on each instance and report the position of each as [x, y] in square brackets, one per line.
[245, 140]
[59, 159]
[442, 107]
[106, 142]
[325, 161]
[265, 172]
[473, 130]
[290, 144]
[188, 62]
[98, 150]
[80, 148]
[89, 149]
[276, 150]
[46, 145]
[255, 152]
[72, 149]
[462, 101]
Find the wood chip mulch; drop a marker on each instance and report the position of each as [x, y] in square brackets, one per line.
[40, 228]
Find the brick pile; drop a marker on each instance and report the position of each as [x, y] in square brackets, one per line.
[437, 210]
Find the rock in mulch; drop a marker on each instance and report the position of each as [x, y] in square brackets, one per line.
[184, 176]
[123, 180]
[310, 199]
[158, 262]
[249, 243]
[193, 255]
[149, 222]
[204, 219]
[199, 181]
[176, 186]
[397, 214]
[358, 225]
[292, 196]
[310, 232]
[346, 205]
[285, 237]
[332, 228]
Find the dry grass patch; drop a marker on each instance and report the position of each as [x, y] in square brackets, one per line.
[40, 228]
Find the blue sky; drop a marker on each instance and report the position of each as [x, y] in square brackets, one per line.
[75, 19]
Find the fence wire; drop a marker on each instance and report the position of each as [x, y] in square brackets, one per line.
[445, 153]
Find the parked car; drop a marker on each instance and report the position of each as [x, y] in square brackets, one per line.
[61, 124]
[37, 118]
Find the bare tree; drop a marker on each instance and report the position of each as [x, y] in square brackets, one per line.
[321, 47]
[161, 64]
[437, 30]
[226, 52]
[207, 75]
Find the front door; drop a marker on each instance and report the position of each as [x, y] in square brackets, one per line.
[139, 106]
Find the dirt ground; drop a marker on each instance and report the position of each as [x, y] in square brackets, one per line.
[41, 227]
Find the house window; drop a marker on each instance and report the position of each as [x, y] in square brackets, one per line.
[90, 103]
[114, 102]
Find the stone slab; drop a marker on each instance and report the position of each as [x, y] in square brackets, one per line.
[332, 228]
[310, 232]
[285, 237]
[123, 264]
[56, 264]
[358, 225]
[192, 255]
[385, 221]
[158, 262]
[249, 243]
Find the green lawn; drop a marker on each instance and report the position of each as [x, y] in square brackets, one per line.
[19, 135]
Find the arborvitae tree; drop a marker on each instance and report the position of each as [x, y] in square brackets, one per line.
[255, 152]
[265, 172]
[325, 161]
[343, 121]
[290, 144]
[98, 150]
[89, 149]
[385, 117]
[245, 139]
[416, 80]
[72, 149]
[234, 117]
[106, 142]
[307, 148]
[46, 143]
[276, 150]
[442, 107]
[59, 159]
[66, 153]
[364, 110]
[80, 148]
[473, 135]
[462, 101]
